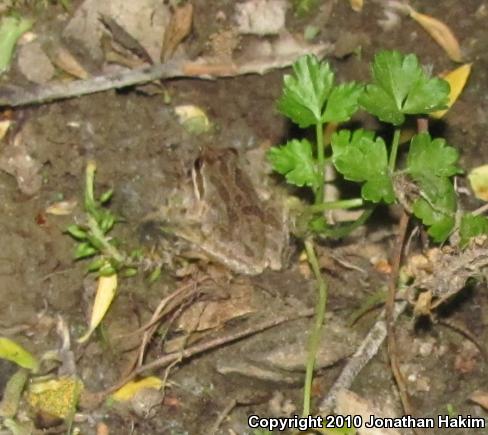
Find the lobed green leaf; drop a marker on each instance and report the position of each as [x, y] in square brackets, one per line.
[429, 156]
[437, 206]
[401, 87]
[305, 92]
[295, 161]
[342, 102]
[359, 157]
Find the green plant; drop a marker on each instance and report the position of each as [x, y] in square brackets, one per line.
[423, 185]
[11, 29]
[93, 235]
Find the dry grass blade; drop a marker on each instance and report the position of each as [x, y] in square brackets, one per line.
[177, 30]
[441, 34]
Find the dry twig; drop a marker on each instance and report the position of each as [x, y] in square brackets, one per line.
[15, 96]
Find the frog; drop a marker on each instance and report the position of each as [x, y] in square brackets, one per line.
[224, 214]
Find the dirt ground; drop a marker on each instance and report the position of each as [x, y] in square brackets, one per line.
[142, 151]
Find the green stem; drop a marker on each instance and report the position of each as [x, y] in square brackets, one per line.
[108, 249]
[316, 333]
[394, 150]
[319, 133]
[90, 203]
[334, 205]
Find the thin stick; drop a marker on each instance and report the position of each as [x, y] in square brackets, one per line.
[148, 334]
[16, 96]
[156, 317]
[222, 415]
[390, 318]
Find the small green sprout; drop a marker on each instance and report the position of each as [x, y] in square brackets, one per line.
[94, 240]
[11, 29]
[93, 235]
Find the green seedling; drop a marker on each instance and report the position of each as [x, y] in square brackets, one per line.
[93, 235]
[11, 29]
[423, 185]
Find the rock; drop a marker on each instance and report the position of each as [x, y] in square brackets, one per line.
[34, 63]
[261, 17]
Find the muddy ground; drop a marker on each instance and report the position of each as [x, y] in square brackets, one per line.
[141, 151]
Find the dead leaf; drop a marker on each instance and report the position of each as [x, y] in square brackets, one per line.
[62, 208]
[457, 80]
[356, 5]
[107, 285]
[129, 390]
[178, 29]
[441, 34]
[4, 126]
[12, 351]
[478, 178]
[480, 397]
[193, 119]
[64, 60]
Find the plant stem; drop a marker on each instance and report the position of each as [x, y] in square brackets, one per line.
[334, 205]
[316, 333]
[319, 133]
[109, 249]
[394, 149]
[90, 204]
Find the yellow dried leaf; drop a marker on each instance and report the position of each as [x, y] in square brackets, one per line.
[62, 208]
[12, 351]
[478, 178]
[129, 390]
[193, 119]
[441, 34]
[4, 126]
[457, 80]
[107, 285]
[356, 5]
